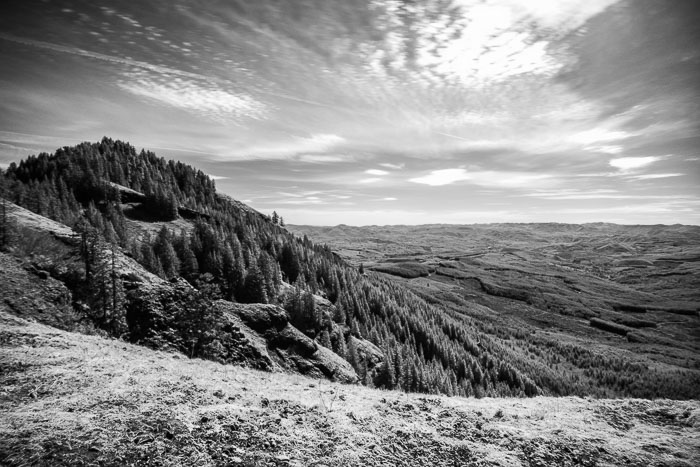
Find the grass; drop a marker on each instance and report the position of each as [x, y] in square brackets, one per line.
[70, 399]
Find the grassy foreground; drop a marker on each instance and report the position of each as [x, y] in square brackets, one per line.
[73, 399]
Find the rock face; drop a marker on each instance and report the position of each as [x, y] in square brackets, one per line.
[286, 346]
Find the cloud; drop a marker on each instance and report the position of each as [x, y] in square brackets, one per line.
[202, 97]
[312, 149]
[321, 158]
[598, 135]
[393, 166]
[606, 148]
[489, 41]
[574, 194]
[631, 163]
[560, 15]
[376, 172]
[442, 177]
[99, 56]
[485, 178]
[322, 141]
[654, 176]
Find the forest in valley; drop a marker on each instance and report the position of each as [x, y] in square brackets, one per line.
[228, 251]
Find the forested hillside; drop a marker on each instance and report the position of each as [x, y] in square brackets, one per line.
[109, 193]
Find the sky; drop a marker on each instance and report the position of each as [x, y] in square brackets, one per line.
[366, 112]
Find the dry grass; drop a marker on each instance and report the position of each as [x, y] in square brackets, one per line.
[70, 399]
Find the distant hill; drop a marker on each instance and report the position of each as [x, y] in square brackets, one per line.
[157, 257]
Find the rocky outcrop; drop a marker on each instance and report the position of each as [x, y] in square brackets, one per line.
[259, 316]
[286, 345]
[368, 352]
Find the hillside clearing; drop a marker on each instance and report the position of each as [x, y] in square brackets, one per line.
[72, 399]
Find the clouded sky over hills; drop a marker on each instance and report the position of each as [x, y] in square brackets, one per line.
[382, 112]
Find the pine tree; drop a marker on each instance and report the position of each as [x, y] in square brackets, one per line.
[368, 379]
[289, 263]
[265, 267]
[150, 260]
[325, 339]
[341, 348]
[188, 261]
[353, 357]
[386, 377]
[165, 252]
[254, 287]
[339, 313]
[88, 246]
[108, 298]
[172, 207]
[6, 225]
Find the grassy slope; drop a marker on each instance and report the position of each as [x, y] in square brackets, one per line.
[74, 399]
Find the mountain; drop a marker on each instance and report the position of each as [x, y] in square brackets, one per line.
[152, 254]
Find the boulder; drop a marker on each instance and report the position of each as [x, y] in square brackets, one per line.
[332, 366]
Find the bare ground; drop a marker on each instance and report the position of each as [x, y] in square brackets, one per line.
[72, 399]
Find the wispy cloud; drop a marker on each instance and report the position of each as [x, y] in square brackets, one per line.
[100, 56]
[631, 163]
[321, 158]
[389, 165]
[376, 172]
[574, 194]
[654, 176]
[318, 147]
[203, 97]
[485, 178]
[442, 177]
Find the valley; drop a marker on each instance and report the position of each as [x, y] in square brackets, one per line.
[631, 292]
